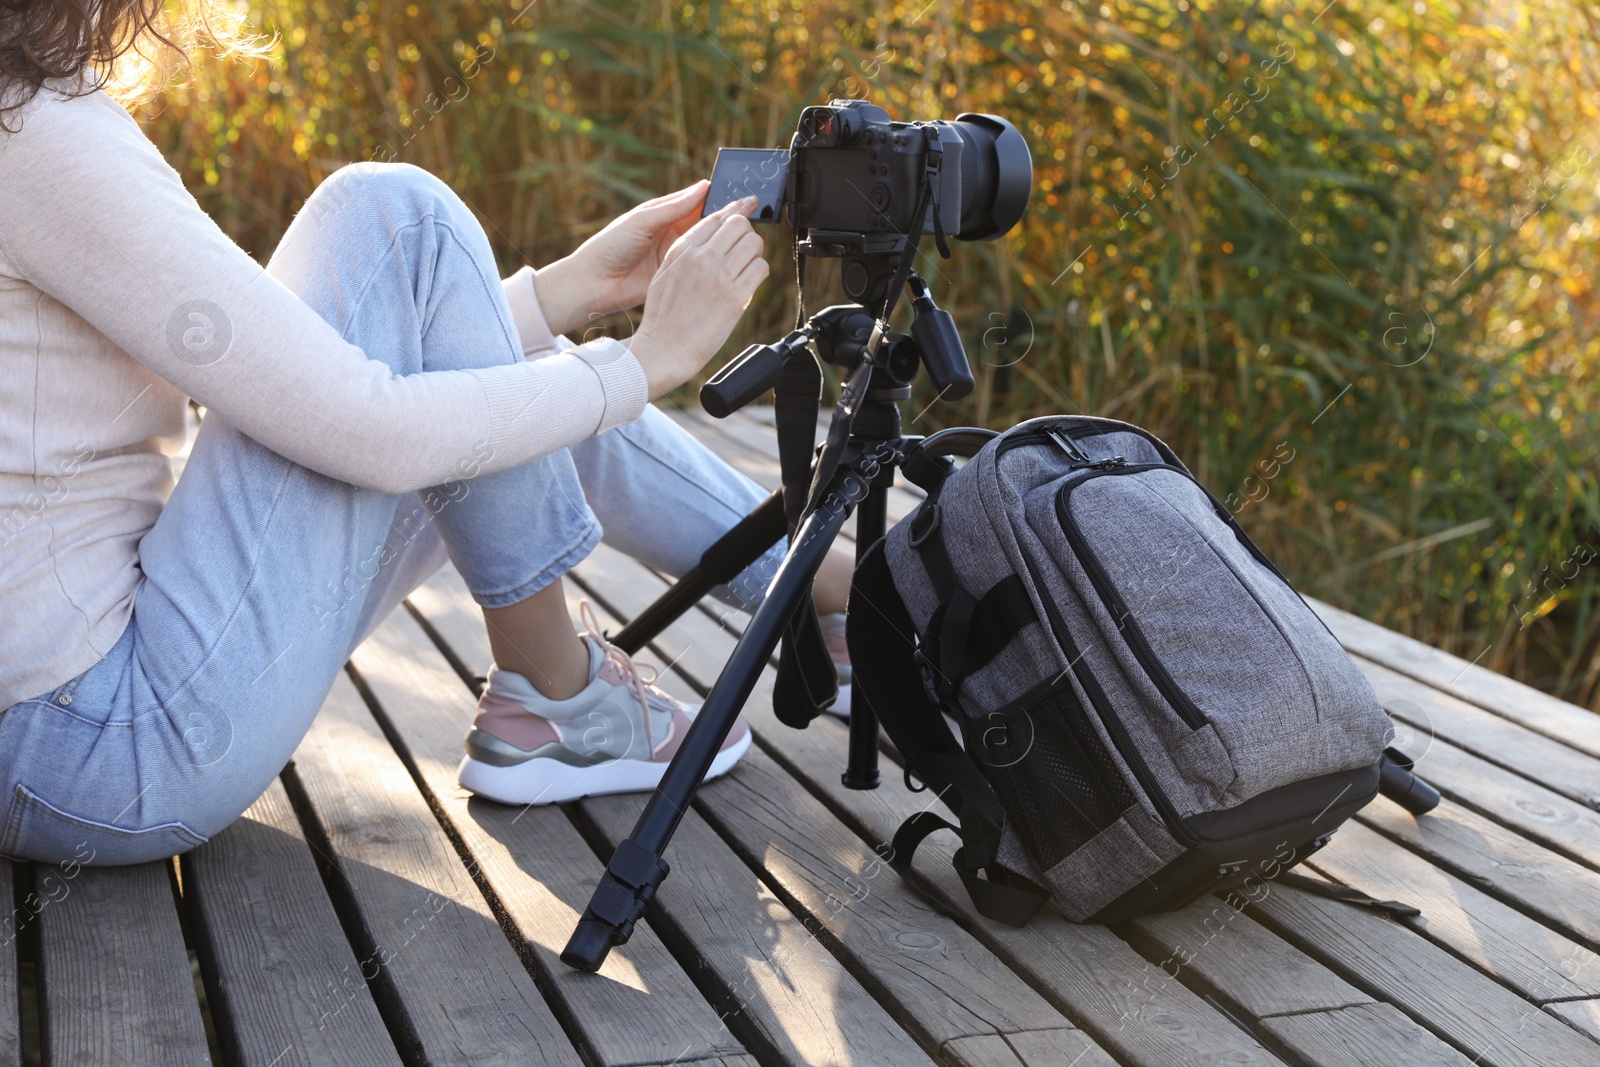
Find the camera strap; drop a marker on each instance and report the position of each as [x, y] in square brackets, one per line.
[807, 680]
[803, 656]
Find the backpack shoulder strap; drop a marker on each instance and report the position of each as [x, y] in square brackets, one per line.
[886, 678]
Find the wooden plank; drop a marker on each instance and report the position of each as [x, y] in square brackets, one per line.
[114, 979]
[444, 973]
[1556, 822]
[1362, 1035]
[272, 949]
[1531, 958]
[1539, 712]
[1127, 1005]
[1557, 766]
[938, 980]
[1582, 1015]
[1477, 1015]
[1500, 862]
[540, 872]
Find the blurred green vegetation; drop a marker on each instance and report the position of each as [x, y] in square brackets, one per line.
[1339, 256]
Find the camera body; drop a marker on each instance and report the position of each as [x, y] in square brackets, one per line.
[856, 176]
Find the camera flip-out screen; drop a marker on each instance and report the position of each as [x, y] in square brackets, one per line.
[742, 172]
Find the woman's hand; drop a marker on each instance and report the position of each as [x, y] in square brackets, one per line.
[612, 270]
[705, 282]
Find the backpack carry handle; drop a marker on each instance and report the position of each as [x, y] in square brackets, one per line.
[927, 463]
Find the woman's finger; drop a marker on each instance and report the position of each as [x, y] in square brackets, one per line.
[672, 206]
[702, 231]
[746, 248]
[733, 227]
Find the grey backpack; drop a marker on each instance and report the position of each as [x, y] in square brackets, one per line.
[1146, 709]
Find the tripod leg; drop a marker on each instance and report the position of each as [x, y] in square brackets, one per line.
[724, 561]
[636, 869]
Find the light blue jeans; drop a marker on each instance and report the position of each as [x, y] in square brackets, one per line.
[261, 576]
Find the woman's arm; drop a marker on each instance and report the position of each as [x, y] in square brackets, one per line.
[96, 218]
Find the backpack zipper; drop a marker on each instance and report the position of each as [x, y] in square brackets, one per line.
[1114, 726]
[1181, 702]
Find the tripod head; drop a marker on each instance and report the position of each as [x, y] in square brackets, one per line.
[847, 336]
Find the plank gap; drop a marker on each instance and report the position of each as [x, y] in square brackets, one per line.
[391, 1008]
[190, 946]
[475, 682]
[29, 949]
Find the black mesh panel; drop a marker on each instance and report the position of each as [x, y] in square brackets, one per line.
[1049, 768]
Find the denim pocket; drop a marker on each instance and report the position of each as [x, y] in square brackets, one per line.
[38, 830]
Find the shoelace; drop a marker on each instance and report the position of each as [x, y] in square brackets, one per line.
[640, 676]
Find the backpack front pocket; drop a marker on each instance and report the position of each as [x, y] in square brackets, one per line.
[1188, 602]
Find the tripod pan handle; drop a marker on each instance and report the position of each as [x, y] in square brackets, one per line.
[745, 377]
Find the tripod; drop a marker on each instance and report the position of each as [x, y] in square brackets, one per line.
[859, 468]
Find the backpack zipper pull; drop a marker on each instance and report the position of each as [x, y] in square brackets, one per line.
[1109, 464]
[1073, 450]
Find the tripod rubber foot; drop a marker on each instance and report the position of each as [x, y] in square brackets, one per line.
[860, 780]
[1397, 782]
[591, 942]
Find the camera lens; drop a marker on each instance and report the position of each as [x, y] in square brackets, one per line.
[996, 175]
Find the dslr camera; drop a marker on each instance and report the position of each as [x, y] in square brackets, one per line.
[852, 181]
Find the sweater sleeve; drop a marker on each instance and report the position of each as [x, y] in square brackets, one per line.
[526, 314]
[98, 220]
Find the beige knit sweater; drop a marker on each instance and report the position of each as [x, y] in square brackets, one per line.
[104, 256]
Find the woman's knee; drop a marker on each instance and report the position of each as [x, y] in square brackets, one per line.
[401, 193]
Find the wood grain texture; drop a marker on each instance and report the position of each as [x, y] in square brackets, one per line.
[455, 979]
[1539, 712]
[1040, 1048]
[1127, 1004]
[1529, 957]
[541, 870]
[1474, 1013]
[114, 979]
[272, 948]
[1361, 1036]
[1501, 862]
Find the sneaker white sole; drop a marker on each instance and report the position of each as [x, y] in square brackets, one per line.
[549, 781]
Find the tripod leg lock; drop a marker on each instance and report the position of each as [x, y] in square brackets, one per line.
[630, 883]
[625, 891]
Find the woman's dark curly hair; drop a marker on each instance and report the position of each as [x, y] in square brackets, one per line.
[132, 47]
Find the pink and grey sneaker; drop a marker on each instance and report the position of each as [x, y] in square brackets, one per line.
[616, 736]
